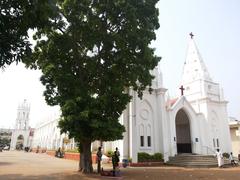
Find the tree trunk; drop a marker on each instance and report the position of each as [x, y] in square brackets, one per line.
[85, 164]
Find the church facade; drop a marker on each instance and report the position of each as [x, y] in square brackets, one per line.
[195, 122]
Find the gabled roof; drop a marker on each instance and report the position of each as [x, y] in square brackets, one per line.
[171, 102]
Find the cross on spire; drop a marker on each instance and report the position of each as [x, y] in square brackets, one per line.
[182, 90]
[191, 34]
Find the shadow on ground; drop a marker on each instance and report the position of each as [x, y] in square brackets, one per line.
[72, 176]
[5, 163]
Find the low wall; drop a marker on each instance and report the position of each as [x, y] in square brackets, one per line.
[72, 156]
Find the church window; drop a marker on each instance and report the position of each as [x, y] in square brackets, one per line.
[141, 135]
[214, 145]
[217, 143]
[209, 87]
[149, 141]
[141, 141]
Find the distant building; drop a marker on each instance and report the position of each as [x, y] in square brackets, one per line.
[234, 125]
[47, 136]
[22, 134]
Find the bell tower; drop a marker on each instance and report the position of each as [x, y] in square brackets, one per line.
[22, 121]
[206, 97]
[196, 79]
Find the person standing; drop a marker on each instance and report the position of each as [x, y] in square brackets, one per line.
[231, 159]
[117, 153]
[219, 158]
[115, 160]
[99, 159]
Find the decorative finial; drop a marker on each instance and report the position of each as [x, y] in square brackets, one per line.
[191, 34]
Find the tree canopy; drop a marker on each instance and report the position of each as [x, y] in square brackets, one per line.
[90, 56]
[16, 18]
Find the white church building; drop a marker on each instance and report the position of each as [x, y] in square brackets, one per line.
[195, 122]
[22, 135]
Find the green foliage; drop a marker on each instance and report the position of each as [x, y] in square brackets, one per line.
[145, 157]
[90, 57]
[157, 156]
[16, 18]
[4, 141]
[142, 156]
[226, 155]
[72, 150]
[110, 153]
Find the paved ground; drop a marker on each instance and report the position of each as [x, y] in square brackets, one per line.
[20, 165]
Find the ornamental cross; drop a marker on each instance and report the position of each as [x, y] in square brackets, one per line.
[191, 34]
[182, 90]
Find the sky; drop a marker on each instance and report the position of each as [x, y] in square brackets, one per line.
[215, 25]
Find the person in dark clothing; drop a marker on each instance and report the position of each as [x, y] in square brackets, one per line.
[115, 160]
[99, 159]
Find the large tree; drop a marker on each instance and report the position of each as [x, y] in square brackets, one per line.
[96, 50]
[17, 17]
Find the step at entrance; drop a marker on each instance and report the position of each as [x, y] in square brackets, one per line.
[191, 160]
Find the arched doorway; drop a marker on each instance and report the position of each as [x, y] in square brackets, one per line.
[183, 134]
[19, 143]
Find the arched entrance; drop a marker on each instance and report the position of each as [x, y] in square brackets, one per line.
[19, 143]
[183, 134]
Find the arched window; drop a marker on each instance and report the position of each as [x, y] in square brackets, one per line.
[141, 132]
[149, 143]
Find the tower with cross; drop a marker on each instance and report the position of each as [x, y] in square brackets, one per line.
[20, 135]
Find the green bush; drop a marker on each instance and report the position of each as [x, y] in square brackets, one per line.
[130, 160]
[157, 156]
[72, 150]
[226, 155]
[145, 157]
[109, 153]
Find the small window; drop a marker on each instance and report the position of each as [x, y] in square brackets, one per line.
[149, 141]
[196, 139]
[141, 141]
[214, 145]
[209, 87]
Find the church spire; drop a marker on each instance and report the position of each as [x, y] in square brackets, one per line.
[194, 67]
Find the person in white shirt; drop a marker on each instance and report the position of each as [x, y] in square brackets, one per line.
[219, 158]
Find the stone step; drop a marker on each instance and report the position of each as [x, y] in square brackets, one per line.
[194, 161]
